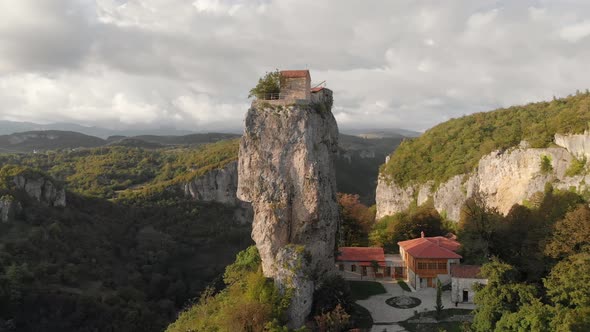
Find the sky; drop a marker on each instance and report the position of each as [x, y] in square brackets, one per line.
[190, 64]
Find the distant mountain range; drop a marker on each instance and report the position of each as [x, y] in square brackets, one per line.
[36, 141]
[11, 127]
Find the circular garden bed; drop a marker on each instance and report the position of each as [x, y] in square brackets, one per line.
[403, 302]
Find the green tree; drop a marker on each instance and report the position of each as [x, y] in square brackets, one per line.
[568, 284]
[477, 225]
[390, 230]
[439, 306]
[269, 83]
[530, 317]
[501, 296]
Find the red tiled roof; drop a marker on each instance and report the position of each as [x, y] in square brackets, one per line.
[465, 271]
[361, 254]
[295, 73]
[431, 247]
[317, 89]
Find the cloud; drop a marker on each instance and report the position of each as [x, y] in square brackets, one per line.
[576, 32]
[190, 64]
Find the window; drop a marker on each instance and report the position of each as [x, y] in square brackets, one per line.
[341, 267]
[442, 266]
[432, 266]
[352, 268]
[422, 266]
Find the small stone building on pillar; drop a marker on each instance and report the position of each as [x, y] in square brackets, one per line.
[295, 85]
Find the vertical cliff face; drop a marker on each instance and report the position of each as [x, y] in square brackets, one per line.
[501, 179]
[220, 185]
[41, 189]
[9, 208]
[286, 170]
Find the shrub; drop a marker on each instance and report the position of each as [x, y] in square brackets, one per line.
[577, 167]
[545, 164]
[269, 83]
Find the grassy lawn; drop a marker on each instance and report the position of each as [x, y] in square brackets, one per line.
[403, 285]
[361, 317]
[362, 290]
[436, 327]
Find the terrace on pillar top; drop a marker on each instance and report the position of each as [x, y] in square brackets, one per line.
[296, 88]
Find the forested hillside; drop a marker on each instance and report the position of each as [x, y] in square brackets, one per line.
[116, 264]
[106, 172]
[454, 147]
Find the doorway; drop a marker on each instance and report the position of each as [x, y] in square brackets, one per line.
[465, 296]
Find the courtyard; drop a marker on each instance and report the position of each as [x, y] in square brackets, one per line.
[387, 317]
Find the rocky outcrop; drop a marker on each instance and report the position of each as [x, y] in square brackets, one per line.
[501, 179]
[41, 189]
[220, 185]
[9, 208]
[578, 144]
[286, 170]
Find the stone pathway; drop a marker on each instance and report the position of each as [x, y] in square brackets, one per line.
[386, 317]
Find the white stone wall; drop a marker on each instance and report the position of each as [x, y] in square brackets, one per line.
[412, 279]
[458, 285]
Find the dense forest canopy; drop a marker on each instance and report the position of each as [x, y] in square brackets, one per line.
[129, 263]
[106, 172]
[455, 147]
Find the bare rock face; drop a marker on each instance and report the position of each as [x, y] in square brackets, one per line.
[41, 189]
[502, 179]
[577, 144]
[286, 170]
[9, 208]
[220, 185]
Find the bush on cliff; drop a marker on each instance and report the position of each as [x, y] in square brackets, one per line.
[250, 302]
[270, 83]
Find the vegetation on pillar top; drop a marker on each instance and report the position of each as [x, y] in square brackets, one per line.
[270, 83]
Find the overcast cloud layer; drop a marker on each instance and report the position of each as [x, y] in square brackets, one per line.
[190, 64]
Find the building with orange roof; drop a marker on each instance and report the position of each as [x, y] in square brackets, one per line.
[368, 262]
[295, 88]
[429, 258]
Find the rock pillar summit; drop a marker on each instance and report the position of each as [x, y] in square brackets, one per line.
[286, 170]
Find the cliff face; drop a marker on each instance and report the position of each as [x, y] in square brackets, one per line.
[286, 170]
[220, 186]
[9, 208]
[502, 179]
[41, 189]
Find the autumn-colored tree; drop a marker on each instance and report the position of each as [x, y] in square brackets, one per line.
[333, 321]
[357, 220]
[571, 235]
